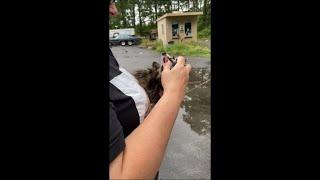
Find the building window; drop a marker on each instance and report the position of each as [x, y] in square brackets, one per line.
[175, 30]
[162, 29]
[187, 29]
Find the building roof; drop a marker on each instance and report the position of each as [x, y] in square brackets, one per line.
[180, 14]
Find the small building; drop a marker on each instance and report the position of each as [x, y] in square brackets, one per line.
[178, 26]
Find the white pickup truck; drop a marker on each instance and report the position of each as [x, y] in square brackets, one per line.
[116, 32]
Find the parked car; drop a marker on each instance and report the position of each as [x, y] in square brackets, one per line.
[124, 39]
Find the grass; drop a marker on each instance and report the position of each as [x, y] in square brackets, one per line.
[184, 49]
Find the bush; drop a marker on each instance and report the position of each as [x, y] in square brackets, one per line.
[144, 43]
[185, 49]
[204, 33]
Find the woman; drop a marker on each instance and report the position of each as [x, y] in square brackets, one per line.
[137, 144]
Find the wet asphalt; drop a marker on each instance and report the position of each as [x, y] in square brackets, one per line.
[188, 153]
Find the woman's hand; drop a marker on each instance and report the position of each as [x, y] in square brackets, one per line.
[174, 80]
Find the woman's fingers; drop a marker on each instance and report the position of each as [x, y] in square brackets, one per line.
[180, 61]
[188, 67]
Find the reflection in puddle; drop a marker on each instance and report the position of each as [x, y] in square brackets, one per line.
[197, 101]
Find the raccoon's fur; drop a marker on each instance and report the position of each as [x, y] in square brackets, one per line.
[150, 80]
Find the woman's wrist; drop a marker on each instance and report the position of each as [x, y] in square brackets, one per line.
[174, 96]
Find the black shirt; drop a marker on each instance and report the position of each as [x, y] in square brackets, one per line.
[128, 103]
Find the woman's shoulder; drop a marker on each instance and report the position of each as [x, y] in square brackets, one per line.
[114, 69]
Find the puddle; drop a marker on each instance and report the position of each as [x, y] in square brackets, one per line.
[197, 101]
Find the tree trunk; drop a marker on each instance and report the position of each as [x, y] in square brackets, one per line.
[140, 19]
[209, 11]
[134, 15]
[152, 15]
[123, 13]
[205, 11]
[156, 8]
[167, 7]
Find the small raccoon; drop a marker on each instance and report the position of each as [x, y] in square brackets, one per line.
[150, 80]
